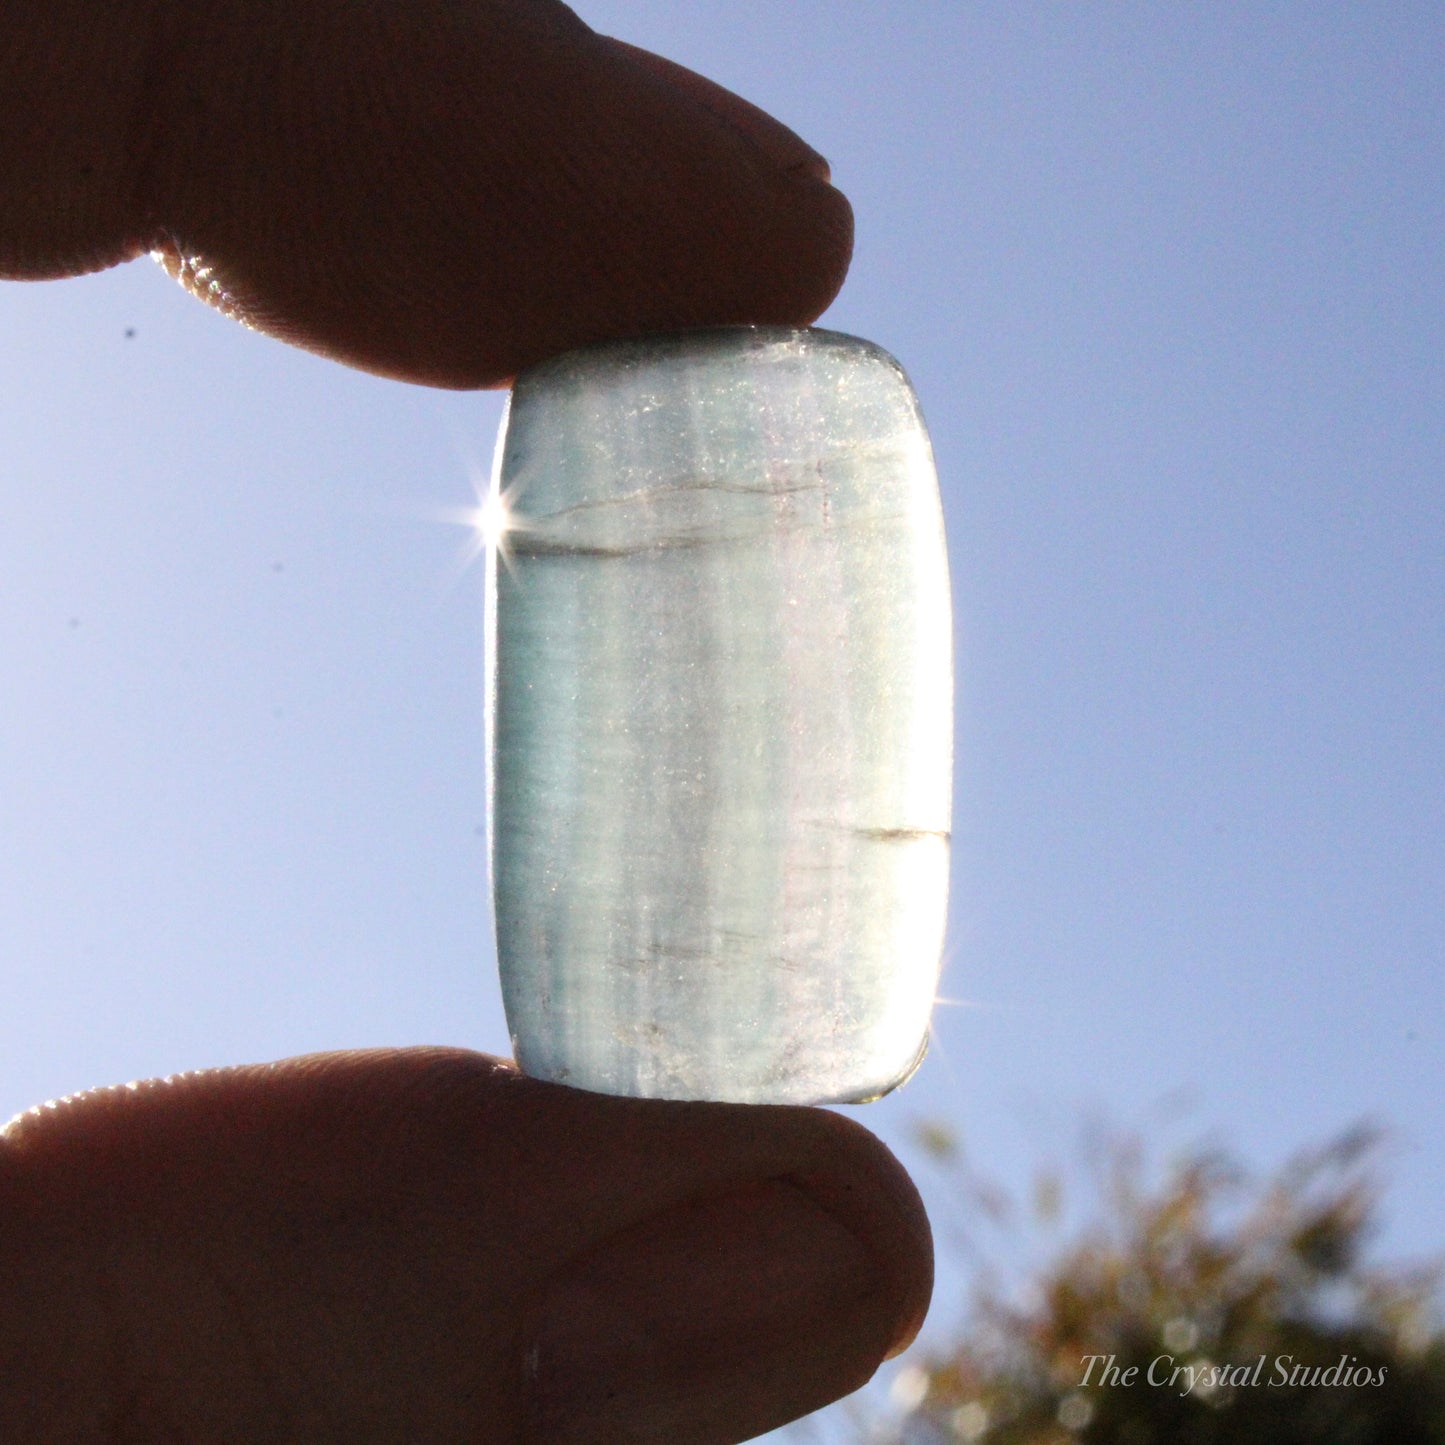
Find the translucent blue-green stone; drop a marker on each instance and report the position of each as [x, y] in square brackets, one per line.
[721, 718]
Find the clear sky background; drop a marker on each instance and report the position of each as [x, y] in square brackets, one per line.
[1168, 280]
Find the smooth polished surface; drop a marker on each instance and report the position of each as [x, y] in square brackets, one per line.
[721, 718]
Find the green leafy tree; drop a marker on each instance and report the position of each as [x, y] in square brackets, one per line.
[1199, 1308]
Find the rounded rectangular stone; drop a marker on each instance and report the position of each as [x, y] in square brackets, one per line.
[720, 721]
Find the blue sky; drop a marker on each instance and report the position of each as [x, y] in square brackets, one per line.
[1168, 281]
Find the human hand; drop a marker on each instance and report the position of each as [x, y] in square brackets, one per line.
[438, 192]
[422, 1245]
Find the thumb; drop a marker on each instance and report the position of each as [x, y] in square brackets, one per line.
[425, 1245]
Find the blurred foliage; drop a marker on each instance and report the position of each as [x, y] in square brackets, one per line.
[1245, 1310]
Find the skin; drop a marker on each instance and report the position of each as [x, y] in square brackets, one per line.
[422, 1245]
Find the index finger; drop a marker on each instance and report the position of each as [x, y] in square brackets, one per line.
[439, 193]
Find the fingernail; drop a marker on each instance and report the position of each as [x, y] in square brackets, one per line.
[718, 1320]
[784, 147]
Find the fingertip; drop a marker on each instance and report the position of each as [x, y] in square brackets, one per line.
[866, 1188]
[713, 1321]
[782, 146]
[672, 1153]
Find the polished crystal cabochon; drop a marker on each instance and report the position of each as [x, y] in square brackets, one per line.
[720, 719]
